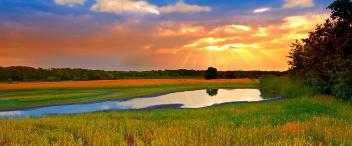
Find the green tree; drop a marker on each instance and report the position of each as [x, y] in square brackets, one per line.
[324, 59]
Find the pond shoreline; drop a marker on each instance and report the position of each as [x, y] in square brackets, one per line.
[164, 106]
[122, 99]
[126, 108]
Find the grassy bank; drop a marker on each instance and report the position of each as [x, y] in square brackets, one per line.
[304, 120]
[16, 98]
[285, 86]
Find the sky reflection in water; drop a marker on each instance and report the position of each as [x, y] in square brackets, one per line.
[184, 99]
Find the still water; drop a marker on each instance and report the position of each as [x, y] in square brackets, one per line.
[184, 99]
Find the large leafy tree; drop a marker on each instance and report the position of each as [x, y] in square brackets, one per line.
[324, 59]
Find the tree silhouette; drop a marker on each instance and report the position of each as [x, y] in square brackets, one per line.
[211, 73]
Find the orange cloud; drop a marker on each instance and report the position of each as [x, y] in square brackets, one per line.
[235, 28]
[262, 32]
[169, 29]
[257, 45]
[299, 26]
[164, 45]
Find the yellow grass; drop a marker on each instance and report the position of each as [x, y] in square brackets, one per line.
[209, 126]
[116, 83]
[319, 120]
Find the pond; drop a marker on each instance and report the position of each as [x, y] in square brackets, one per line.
[183, 99]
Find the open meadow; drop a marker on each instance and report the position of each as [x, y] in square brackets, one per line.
[118, 83]
[34, 94]
[301, 120]
[175, 73]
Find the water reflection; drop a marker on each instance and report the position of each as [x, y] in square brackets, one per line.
[10, 113]
[212, 92]
[196, 99]
[185, 99]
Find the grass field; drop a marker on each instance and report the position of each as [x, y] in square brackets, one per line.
[301, 119]
[116, 83]
[20, 95]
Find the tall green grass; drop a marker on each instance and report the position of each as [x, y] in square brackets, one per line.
[285, 86]
[303, 120]
[295, 121]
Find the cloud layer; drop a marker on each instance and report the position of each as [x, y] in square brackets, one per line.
[261, 10]
[182, 7]
[219, 35]
[165, 45]
[298, 3]
[70, 2]
[143, 6]
[121, 6]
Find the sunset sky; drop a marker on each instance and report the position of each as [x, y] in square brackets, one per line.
[155, 34]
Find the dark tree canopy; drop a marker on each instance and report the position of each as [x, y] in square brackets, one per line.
[211, 73]
[23, 73]
[324, 59]
[341, 10]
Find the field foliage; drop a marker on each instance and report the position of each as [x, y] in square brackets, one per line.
[298, 120]
[27, 95]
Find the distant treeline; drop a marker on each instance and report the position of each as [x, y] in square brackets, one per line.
[23, 73]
